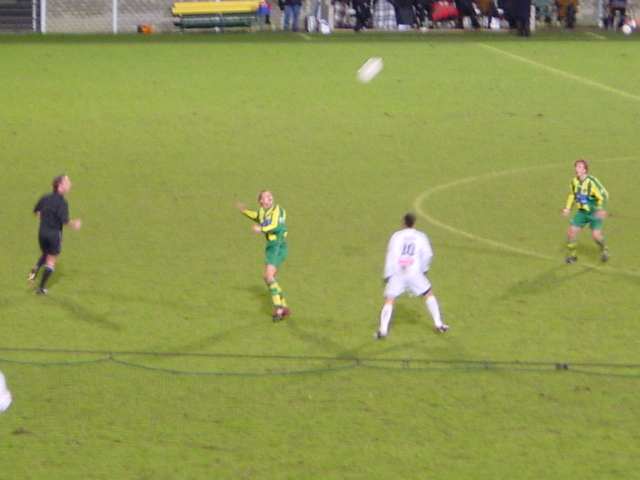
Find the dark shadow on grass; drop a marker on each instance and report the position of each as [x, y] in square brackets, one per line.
[543, 282]
[261, 294]
[588, 253]
[79, 312]
[549, 280]
[379, 348]
[331, 347]
[204, 343]
[403, 314]
[327, 345]
[123, 297]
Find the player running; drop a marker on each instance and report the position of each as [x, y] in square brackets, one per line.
[591, 197]
[409, 256]
[53, 211]
[271, 221]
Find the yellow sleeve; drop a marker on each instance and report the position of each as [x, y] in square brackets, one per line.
[253, 215]
[598, 196]
[275, 219]
[570, 198]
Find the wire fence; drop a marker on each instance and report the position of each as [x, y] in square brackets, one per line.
[233, 364]
[126, 16]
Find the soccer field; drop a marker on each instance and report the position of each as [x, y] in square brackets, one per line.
[154, 355]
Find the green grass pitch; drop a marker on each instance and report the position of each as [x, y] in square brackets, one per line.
[154, 356]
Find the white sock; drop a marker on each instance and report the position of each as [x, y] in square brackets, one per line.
[434, 310]
[385, 318]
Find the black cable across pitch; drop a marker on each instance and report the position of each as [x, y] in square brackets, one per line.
[413, 364]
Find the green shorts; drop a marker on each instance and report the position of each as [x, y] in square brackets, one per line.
[275, 253]
[582, 219]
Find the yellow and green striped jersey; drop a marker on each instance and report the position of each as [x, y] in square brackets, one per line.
[272, 221]
[589, 194]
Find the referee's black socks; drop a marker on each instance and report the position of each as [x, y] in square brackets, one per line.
[39, 263]
[45, 276]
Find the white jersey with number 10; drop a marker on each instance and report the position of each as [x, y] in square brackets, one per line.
[409, 252]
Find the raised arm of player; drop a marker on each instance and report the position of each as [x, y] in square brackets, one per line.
[252, 214]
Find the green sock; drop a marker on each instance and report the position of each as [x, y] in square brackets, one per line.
[572, 249]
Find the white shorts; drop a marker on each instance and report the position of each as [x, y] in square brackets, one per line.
[415, 284]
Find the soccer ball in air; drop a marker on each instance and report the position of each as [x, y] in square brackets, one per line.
[626, 29]
[370, 69]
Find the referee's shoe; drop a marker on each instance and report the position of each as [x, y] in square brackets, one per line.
[32, 276]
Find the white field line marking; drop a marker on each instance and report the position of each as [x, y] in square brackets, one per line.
[417, 205]
[595, 35]
[305, 36]
[562, 73]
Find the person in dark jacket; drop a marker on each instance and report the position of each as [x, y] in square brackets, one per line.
[620, 7]
[521, 13]
[465, 9]
[424, 12]
[405, 16]
[363, 13]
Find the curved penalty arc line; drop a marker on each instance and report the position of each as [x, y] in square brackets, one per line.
[419, 201]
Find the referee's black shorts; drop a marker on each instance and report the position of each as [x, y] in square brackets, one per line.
[50, 242]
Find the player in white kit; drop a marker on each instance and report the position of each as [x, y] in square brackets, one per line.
[409, 256]
[5, 394]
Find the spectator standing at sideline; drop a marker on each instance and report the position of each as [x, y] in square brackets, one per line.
[363, 13]
[424, 13]
[521, 13]
[619, 6]
[405, 14]
[292, 14]
[384, 15]
[466, 9]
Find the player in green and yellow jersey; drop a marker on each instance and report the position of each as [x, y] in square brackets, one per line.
[271, 220]
[591, 197]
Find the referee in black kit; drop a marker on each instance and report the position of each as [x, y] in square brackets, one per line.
[53, 211]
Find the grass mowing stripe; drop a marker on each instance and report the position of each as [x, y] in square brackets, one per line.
[562, 73]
